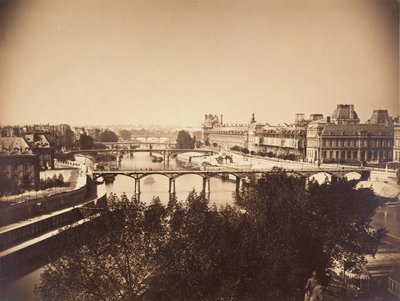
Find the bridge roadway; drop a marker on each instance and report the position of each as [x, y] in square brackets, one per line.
[141, 150]
[138, 143]
[206, 174]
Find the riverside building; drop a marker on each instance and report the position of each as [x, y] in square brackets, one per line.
[341, 138]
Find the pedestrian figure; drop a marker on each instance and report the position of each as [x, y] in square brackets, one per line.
[311, 286]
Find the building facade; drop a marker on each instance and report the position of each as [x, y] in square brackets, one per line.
[396, 143]
[282, 141]
[40, 145]
[19, 167]
[342, 139]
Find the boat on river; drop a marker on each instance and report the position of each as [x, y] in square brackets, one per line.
[157, 158]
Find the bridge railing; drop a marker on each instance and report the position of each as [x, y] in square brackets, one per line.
[218, 170]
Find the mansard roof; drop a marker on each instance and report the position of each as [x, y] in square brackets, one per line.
[356, 129]
[14, 146]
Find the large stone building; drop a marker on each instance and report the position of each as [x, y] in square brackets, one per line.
[282, 141]
[19, 167]
[396, 144]
[225, 136]
[341, 138]
[40, 145]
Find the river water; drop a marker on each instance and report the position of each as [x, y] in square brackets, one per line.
[221, 194]
[221, 191]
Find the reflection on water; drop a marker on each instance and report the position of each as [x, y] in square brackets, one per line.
[22, 289]
[388, 217]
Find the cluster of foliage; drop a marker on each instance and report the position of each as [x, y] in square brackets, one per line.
[263, 248]
[7, 186]
[226, 159]
[99, 146]
[64, 157]
[10, 187]
[104, 157]
[108, 136]
[184, 140]
[291, 157]
[240, 149]
[52, 182]
[125, 134]
[85, 141]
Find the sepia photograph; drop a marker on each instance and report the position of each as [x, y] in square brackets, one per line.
[200, 150]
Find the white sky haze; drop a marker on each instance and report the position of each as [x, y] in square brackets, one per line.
[171, 62]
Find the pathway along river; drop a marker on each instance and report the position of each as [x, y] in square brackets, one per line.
[221, 194]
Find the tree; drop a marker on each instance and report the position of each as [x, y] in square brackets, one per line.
[85, 141]
[7, 185]
[306, 227]
[184, 140]
[108, 136]
[115, 262]
[125, 134]
[263, 248]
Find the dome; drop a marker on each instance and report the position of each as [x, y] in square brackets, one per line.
[345, 113]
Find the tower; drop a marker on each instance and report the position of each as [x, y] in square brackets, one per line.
[253, 118]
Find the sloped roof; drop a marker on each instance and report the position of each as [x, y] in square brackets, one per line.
[355, 129]
[240, 129]
[37, 140]
[14, 146]
[380, 117]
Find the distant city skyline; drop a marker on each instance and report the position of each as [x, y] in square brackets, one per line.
[172, 62]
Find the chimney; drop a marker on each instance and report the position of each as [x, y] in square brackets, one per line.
[328, 119]
[222, 121]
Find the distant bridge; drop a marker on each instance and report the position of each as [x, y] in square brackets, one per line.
[135, 143]
[142, 150]
[206, 174]
[166, 152]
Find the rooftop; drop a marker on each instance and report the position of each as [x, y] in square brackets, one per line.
[14, 146]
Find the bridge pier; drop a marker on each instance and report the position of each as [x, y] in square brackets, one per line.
[206, 185]
[238, 180]
[119, 157]
[172, 187]
[137, 186]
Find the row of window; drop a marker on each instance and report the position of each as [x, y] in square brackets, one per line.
[356, 143]
[396, 155]
[14, 167]
[355, 155]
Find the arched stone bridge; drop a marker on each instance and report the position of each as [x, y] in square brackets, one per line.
[239, 175]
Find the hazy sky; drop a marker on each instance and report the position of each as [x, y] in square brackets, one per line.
[171, 62]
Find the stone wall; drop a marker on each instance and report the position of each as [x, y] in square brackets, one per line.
[17, 212]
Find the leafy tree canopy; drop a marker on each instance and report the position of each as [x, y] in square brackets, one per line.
[184, 140]
[108, 136]
[125, 134]
[85, 141]
[262, 248]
